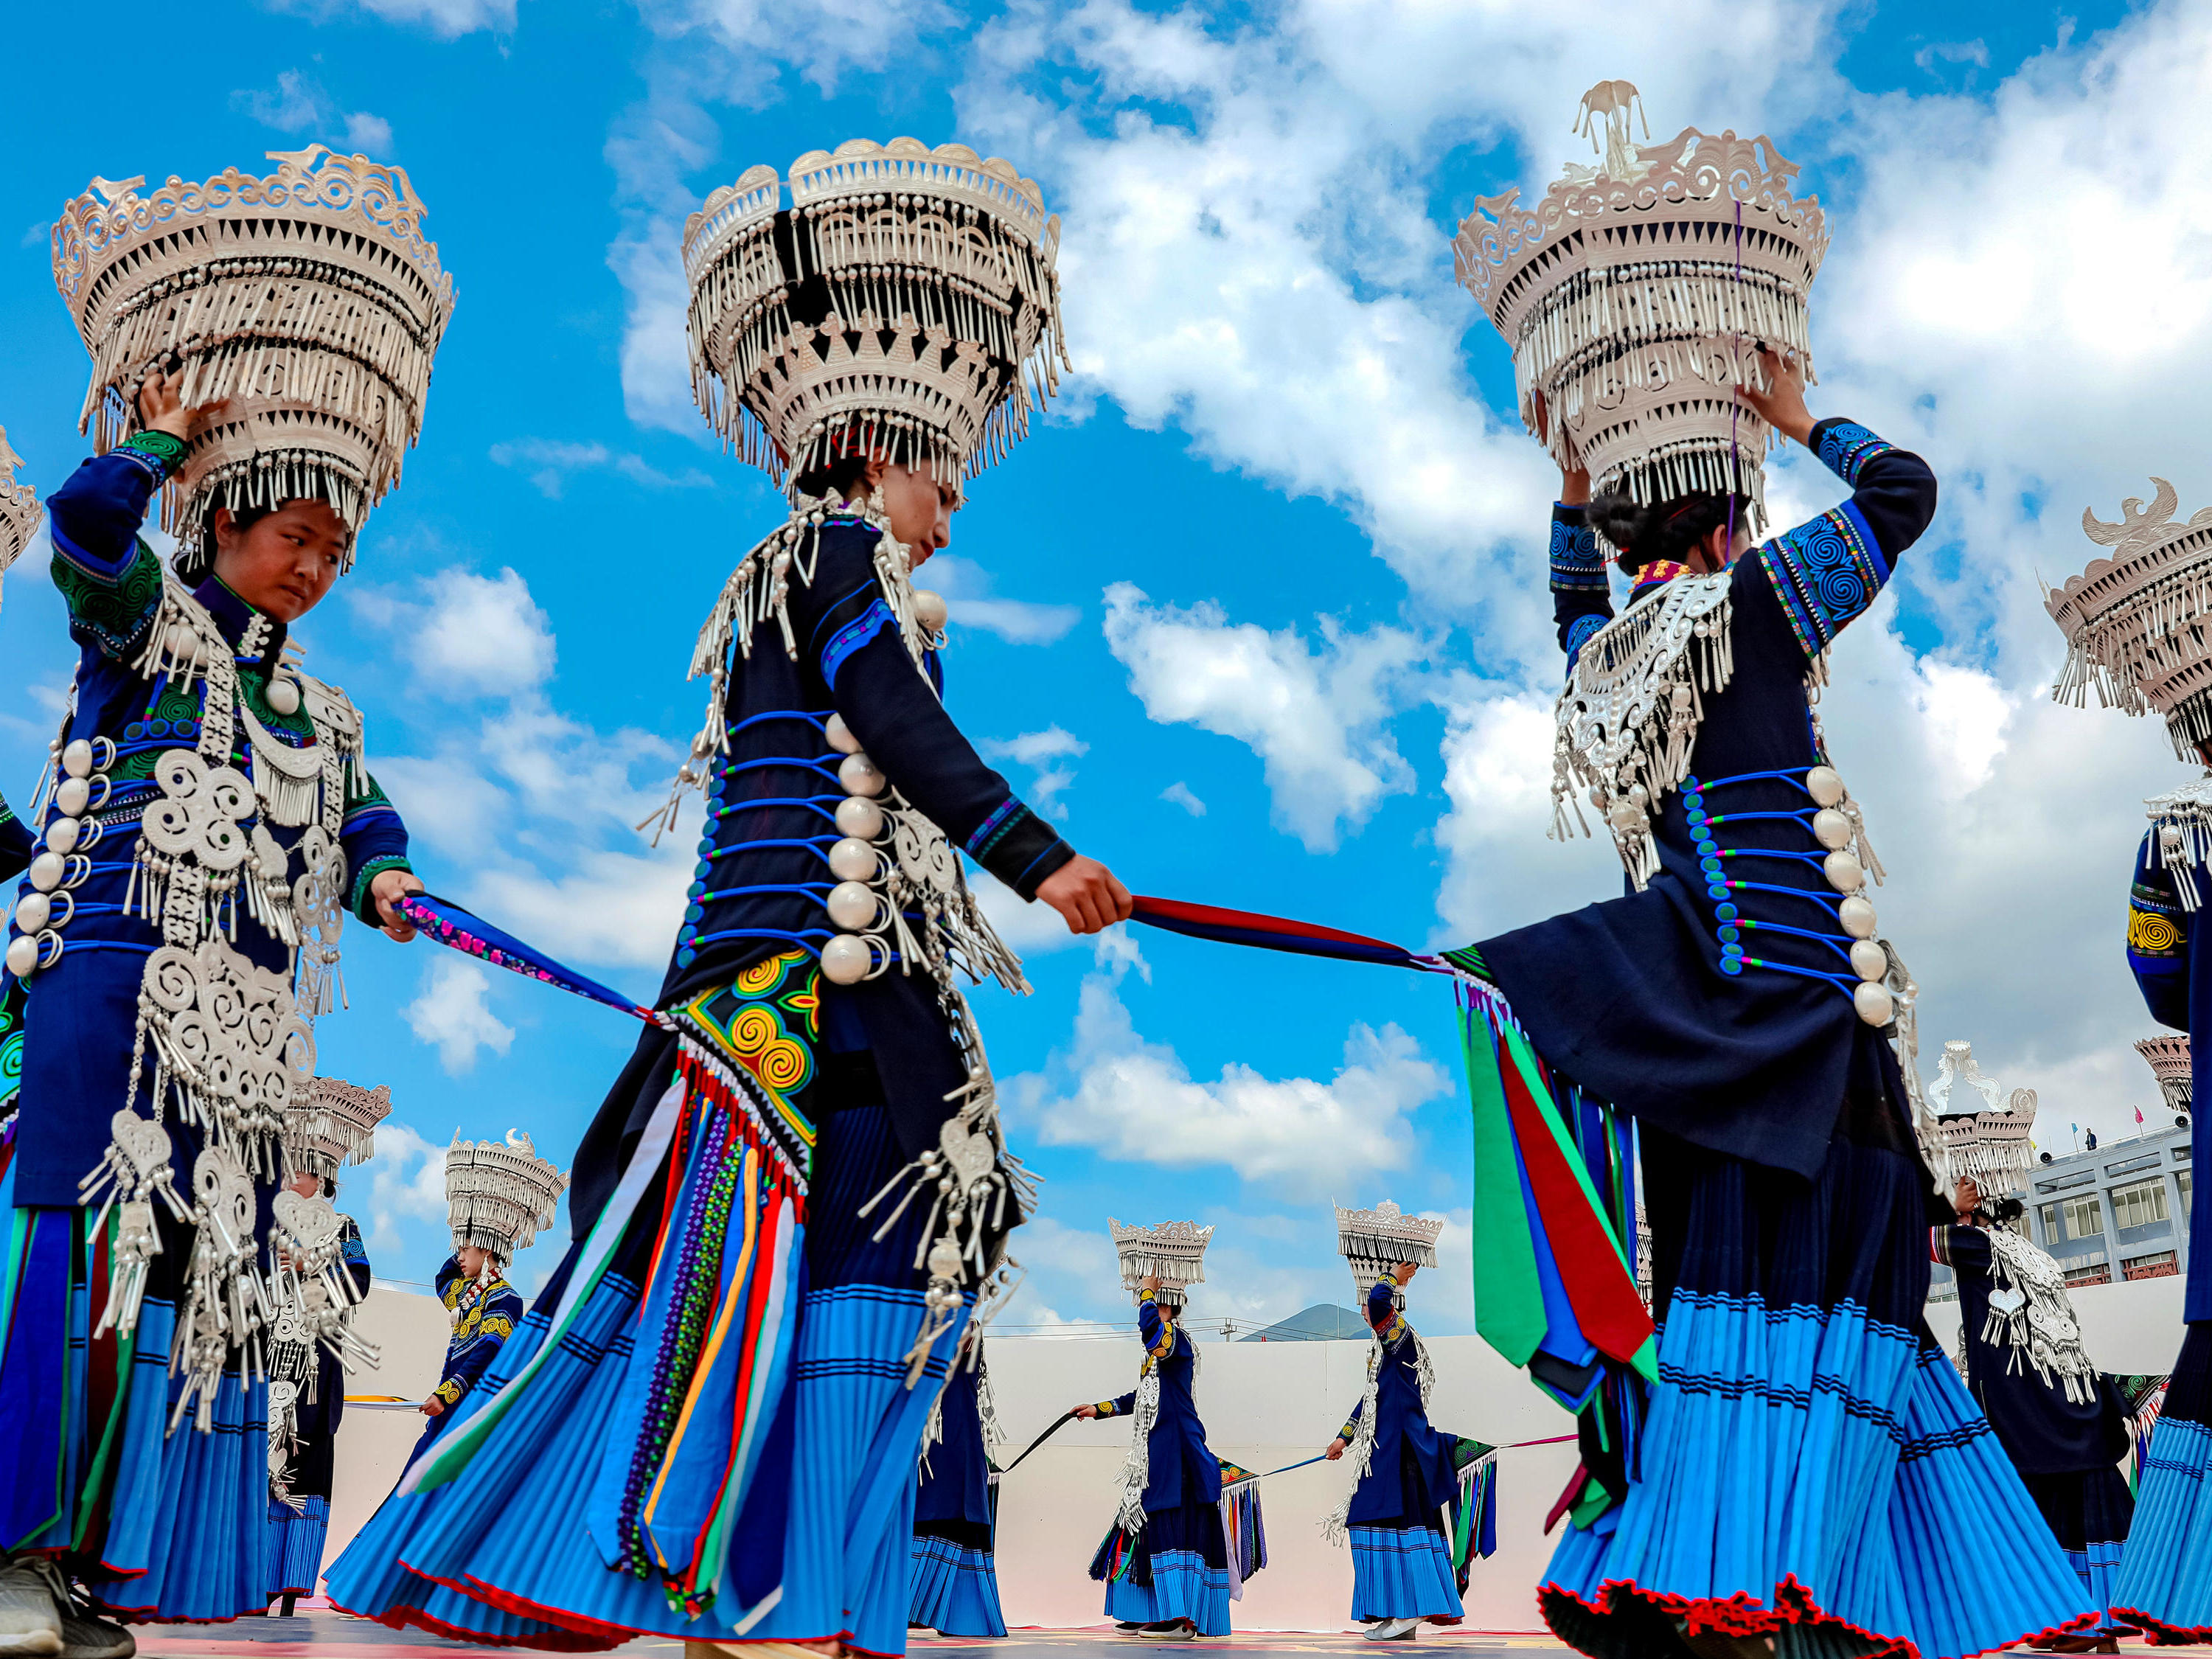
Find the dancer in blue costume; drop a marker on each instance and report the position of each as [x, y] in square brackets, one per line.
[2060, 1420]
[956, 1578]
[1165, 1562]
[1404, 1470]
[209, 824]
[485, 1309]
[1735, 1002]
[792, 1198]
[2135, 624]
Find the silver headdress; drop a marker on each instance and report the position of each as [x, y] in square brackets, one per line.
[1635, 293]
[1987, 1143]
[310, 299]
[2169, 1059]
[1174, 1250]
[335, 1127]
[499, 1193]
[1375, 1240]
[19, 507]
[906, 302]
[2134, 620]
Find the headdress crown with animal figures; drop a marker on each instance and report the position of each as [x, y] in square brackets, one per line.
[498, 1193]
[1635, 293]
[2167, 1055]
[310, 299]
[906, 303]
[1173, 1250]
[335, 1127]
[2134, 620]
[1375, 1240]
[19, 507]
[1986, 1140]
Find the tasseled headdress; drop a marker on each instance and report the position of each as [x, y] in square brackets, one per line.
[1636, 294]
[1174, 1250]
[1375, 1240]
[19, 507]
[907, 301]
[499, 1193]
[2168, 1056]
[310, 299]
[1988, 1142]
[336, 1127]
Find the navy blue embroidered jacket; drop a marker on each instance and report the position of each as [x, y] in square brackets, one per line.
[318, 1421]
[1180, 1469]
[1716, 1004]
[2164, 941]
[1410, 1473]
[953, 1497]
[487, 1316]
[82, 1009]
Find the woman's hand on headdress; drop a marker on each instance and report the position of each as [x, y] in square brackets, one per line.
[161, 404]
[1781, 405]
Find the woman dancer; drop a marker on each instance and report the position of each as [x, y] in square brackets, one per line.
[956, 1577]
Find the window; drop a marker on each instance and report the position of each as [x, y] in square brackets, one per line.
[2081, 1178]
[2161, 1265]
[2148, 1161]
[2097, 1275]
[2085, 1218]
[2141, 1205]
[2181, 1182]
[2048, 1214]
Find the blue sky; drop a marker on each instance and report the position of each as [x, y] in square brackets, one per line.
[1258, 614]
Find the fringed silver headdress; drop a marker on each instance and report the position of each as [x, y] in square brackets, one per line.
[19, 507]
[906, 302]
[499, 1193]
[335, 1127]
[2169, 1059]
[1174, 1250]
[1988, 1143]
[1636, 294]
[310, 299]
[2134, 621]
[1375, 1240]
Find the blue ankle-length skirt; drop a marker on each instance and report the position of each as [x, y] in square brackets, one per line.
[1810, 1461]
[1176, 1567]
[2164, 1583]
[159, 1526]
[956, 1587]
[1403, 1572]
[295, 1545]
[546, 1538]
[2089, 1512]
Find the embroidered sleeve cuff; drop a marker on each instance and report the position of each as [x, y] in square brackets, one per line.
[1577, 565]
[363, 904]
[449, 1391]
[1105, 1408]
[1845, 447]
[1350, 1431]
[1018, 848]
[162, 455]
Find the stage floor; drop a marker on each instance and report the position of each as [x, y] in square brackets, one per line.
[314, 1633]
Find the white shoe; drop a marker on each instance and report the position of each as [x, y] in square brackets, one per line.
[29, 1621]
[1393, 1630]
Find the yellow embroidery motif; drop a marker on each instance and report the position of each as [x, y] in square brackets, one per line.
[2151, 934]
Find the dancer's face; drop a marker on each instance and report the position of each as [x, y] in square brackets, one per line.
[921, 508]
[284, 562]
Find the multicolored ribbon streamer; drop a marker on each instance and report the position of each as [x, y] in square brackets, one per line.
[1267, 933]
[450, 925]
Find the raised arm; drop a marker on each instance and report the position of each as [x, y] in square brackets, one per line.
[354, 1255]
[1828, 570]
[2158, 938]
[496, 1324]
[1965, 1250]
[1582, 603]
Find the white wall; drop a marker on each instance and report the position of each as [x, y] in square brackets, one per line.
[2131, 1326]
[373, 1445]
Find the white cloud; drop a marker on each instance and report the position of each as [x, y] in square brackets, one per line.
[406, 1178]
[1133, 1100]
[967, 589]
[475, 635]
[549, 463]
[1043, 753]
[300, 104]
[453, 1013]
[447, 19]
[1179, 794]
[1317, 718]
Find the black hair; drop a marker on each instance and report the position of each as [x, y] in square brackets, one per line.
[1647, 531]
[847, 475]
[2004, 1211]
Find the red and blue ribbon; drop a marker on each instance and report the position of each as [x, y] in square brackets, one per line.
[462, 930]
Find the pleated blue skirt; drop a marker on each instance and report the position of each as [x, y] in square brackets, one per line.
[2165, 1581]
[955, 1590]
[295, 1546]
[1810, 1459]
[2089, 1512]
[1402, 1573]
[1184, 1554]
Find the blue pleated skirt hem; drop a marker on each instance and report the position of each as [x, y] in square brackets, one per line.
[956, 1589]
[1182, 1587]
[295, 1546]
[2165, 1581]
[1402, 1573]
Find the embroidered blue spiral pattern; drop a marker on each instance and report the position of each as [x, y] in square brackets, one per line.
[1578, 634]
[1576, 566]
[1825, 572]
[1846, 447]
